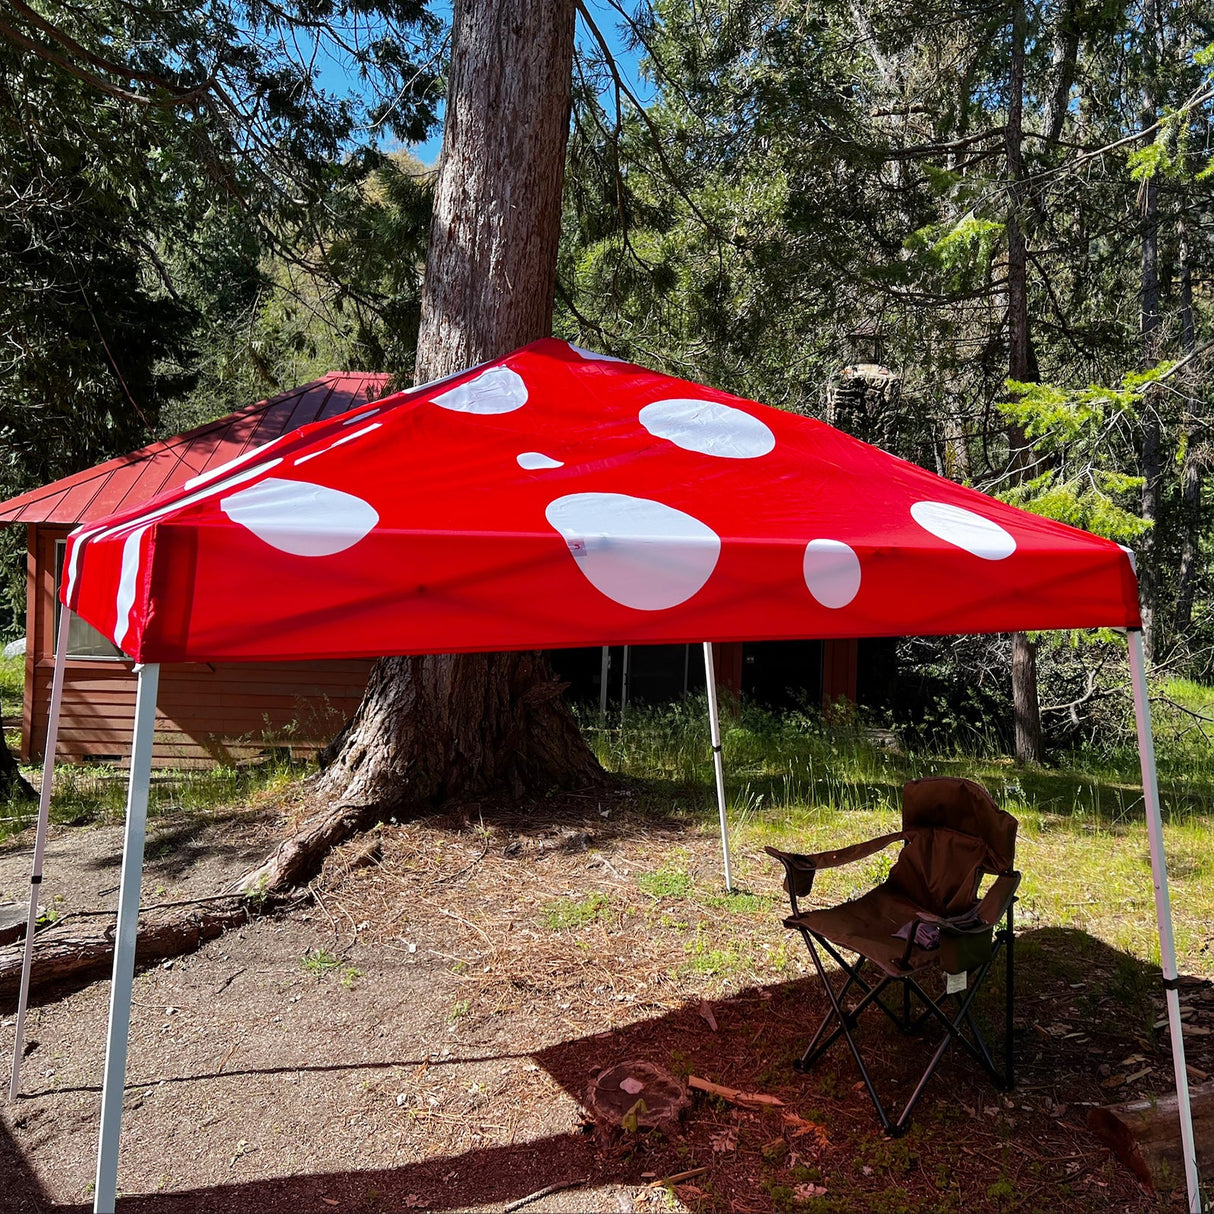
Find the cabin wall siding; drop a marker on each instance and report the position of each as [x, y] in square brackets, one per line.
[206, 712]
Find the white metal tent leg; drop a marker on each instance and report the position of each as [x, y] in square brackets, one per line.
[1163, 911]
[44, 811]
[714, 724]
[604, 670]
[114, 1083]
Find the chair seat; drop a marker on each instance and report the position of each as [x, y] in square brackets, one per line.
[868, 926]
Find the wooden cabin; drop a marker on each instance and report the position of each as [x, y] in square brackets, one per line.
[206, 712]
[231, 712]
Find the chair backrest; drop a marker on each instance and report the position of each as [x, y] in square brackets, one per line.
[963, 806]
[956, 833]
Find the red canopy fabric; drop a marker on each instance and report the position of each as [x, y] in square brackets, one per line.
[555, 498]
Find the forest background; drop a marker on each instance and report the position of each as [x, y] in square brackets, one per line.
[1001, 215]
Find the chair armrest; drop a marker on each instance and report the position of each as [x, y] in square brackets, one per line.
[998, 898]
[800, 869]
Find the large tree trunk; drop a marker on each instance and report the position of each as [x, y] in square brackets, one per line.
[431, 728]
[438, 727]
[491, 262]
[1021, 367]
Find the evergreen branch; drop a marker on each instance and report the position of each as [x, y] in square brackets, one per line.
[180, 96]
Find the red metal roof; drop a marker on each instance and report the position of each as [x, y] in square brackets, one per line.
[141, 475]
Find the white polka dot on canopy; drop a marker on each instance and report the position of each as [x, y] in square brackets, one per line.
[498, 390]
[832, 572]
[638, 552]
[709, 427]
[301, 518]
[533, 461]
[593, 355]
[964, 529]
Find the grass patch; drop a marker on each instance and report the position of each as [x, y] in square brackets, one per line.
[88, 793]
[799, 783]
[12, 695]
[12, 685]
[320, 963]
[665, 883]
[563, 913]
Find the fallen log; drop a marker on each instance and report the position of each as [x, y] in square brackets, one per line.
[1145, 1136]
[61, 957]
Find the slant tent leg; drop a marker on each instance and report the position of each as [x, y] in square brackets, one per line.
[114, 1083]
[44, 811]
[714, 724]
[1163, 911]
[604, 671]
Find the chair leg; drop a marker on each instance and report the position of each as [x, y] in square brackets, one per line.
[1009, 1001]
[845, 1021]
[811, 1052]
[952, 1033]
[844, 1029]
[871, 994]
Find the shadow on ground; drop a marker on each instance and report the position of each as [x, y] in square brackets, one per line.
[1081, 1007]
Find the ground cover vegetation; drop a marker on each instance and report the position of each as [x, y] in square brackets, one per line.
[486, 961]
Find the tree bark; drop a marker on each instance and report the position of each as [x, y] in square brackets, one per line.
[1027, 704]
[1021, 367]
[1196, 456]
[1152, 437]
[78, 957]
[430, 728]
[491, 262]
[1145, 1136]
[1063, 59]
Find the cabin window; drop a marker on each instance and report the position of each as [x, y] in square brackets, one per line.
[83, 640]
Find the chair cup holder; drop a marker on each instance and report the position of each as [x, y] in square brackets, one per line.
[965, 948]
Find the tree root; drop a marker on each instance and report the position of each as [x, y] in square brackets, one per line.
[297, 859]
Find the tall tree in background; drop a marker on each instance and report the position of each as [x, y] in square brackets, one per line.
[1022, 364]
[1149, 331]
[431, 728]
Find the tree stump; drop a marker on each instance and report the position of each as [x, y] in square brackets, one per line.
[638, 1096]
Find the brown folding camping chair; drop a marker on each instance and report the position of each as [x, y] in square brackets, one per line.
[924, 917]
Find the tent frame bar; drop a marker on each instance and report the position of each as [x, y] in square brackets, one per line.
[40, 833]
[1163, 909]
[114, 1082]
[714, 725]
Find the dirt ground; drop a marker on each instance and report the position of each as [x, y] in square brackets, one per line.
[424, 1033]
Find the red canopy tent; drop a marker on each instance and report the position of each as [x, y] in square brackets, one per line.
[557, 497]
